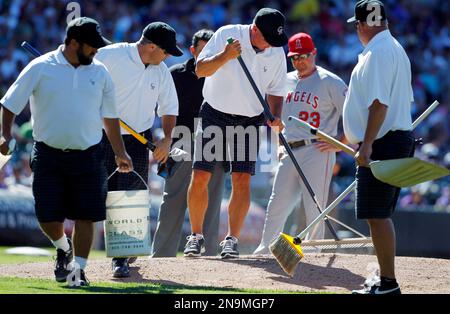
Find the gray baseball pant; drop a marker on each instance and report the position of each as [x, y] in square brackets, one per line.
[173, 209]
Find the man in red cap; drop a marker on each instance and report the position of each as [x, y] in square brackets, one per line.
[316, 96]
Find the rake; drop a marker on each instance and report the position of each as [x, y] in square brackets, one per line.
[287, 249]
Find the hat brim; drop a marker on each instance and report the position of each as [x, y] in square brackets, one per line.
[293, 53]
[174, 51]
[278, 41]
[351, 20]
[100, 42]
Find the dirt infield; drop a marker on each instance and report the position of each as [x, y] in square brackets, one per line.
[316, 273]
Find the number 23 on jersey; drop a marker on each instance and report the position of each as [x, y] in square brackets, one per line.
[312, 118]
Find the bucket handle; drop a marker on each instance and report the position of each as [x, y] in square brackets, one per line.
[134, 171]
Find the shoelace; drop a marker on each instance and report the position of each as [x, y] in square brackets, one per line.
[227, 244]
[192, 241]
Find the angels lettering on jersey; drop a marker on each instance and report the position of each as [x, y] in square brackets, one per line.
[307, 100]
[317, 99]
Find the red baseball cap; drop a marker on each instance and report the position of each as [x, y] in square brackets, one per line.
[299, 44]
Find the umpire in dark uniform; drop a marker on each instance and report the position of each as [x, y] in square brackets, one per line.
[71, 98]
[173, 207]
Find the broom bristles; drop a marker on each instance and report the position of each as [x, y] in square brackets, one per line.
[286, 253]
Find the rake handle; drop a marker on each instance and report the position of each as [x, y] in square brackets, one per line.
[283, 140]
[327, 138]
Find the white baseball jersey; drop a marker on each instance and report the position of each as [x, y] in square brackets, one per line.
[383, 72]
[317, 99]
[229, 90]
[139, 89]
[67, 104]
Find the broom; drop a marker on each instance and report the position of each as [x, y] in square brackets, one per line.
[287, 250]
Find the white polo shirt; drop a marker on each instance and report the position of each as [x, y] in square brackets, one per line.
[67, 104]
[383, 72]
[139, 89]
[228, 90]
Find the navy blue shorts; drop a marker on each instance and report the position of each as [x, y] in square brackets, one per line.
[375, 199]
[68, 184]
[243, 146]
[139, 154]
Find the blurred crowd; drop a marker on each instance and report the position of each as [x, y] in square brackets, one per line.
[421, 26]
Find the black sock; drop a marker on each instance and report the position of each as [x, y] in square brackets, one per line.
[388, 283]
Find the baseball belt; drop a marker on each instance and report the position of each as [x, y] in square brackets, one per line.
[298, 144]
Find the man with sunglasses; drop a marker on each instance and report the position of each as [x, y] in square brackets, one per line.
[71, 97]
[143, 82]
[315, 95]
[230, 102]
[377, 116]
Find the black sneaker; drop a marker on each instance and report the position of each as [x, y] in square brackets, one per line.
[229, 248]
[379, 289]
[194, 246]
[63, 259]
[84, 282]
[120, 268]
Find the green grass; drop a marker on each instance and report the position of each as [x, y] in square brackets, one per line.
[10, 285]
[20, 259]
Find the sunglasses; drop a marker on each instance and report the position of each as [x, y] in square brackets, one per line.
[301, 57]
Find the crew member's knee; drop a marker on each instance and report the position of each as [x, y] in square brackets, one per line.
[200, 179]
[241, 181]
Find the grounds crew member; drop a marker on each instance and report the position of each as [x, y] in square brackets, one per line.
[173, 207]
[377, 116]
[142, 82]
[71, 97]
[229, 100]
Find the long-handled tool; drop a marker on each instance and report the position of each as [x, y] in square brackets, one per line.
[283, 140]
[176, 153]
[403, 172]
[287, 250]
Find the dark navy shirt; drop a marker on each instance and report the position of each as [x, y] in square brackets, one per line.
[189, 91]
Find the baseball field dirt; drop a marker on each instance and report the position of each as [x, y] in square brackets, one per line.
[326, 272]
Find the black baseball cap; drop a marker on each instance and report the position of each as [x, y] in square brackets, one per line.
[271, 24]
[364, 10]
[164, 36]
[86, 30]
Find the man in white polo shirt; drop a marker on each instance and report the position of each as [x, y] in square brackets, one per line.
[377, 116]
[143, 82]
[71, 97]
[229, 101]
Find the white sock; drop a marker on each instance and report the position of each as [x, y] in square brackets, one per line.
[199, 236]
[82, 262]
[62, 244]
[233, 238]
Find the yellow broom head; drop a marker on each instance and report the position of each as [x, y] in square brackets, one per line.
[287, 254]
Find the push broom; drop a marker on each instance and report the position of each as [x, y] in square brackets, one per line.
[402, 172]
[287, 249]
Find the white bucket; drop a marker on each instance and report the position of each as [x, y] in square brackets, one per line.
[127, 224]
